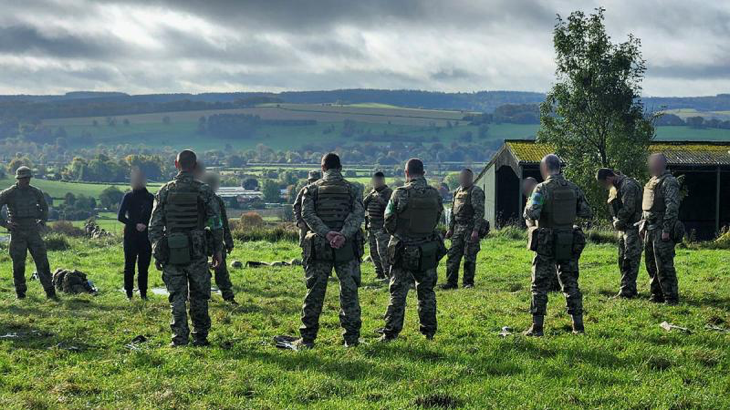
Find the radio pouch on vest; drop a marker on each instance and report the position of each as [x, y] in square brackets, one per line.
[346, 253]
[429, 258]
[179, 246]
[563, 245]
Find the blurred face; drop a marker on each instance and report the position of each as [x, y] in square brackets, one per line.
[24, 182]
[137, 181]
[466, 178]
[378, 182]
[544, 170]
[657, 165]
[608, 182]
[528, 186]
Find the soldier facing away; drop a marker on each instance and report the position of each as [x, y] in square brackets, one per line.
[467, 215]
[333, 211]
[375, 202]
[528, 185]
[27, 216]
[555, 204]
[624, 203]
[661, 229]
[221, 274]
[297, 207]
[183, 209]
[415, 249]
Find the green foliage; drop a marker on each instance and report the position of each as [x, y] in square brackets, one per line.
[56, 242]
[593, 115]
[111, 198]
[271, 191]
[452, 180]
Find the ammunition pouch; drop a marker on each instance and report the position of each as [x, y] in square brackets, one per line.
[209, 243]
[178, 245]
[563, 245]
[678, 232]
[160, 251]
[420, 258]
[532, 238]
[579, 241]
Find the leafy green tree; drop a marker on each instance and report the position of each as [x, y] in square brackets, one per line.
[593, 115]
[110, 198]
[271, 191]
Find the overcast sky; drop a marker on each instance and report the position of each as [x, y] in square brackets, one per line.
[151, 46]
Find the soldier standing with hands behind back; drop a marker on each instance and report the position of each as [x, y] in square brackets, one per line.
[555, 204]
[375, 202]
[624, 202]
[183, 209]
[467, 217]
[27, 216]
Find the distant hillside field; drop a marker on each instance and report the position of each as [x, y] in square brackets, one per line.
[58, 189]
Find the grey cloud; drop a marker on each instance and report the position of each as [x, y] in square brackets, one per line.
[22, 40]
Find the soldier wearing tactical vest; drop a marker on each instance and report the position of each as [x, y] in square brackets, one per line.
[528, 185]
[27, 214]
[297, 207]
[661, 230]
[183, 209]
[221, 274]
[624, 203]
[375, 202]
[333, 211]
[467, 216]
[415, 249]
[555, 204]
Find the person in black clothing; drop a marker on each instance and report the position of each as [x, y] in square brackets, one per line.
[134, 213]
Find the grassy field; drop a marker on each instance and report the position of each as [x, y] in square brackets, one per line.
[77, 353]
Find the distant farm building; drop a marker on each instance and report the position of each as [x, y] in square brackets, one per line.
[238, 195]
[706, 166]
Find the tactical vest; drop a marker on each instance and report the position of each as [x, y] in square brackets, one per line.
[653, 198]
[376, 212]
[561, 207]
[420, 217]
[24, 205]
[334, 203]
[463, 210]
[184, 211]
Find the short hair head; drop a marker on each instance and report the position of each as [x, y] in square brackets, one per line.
[414, 167]
[604, 173]
[552, 163]
[331, 160]
[187, 160]
[313, 176]
[379, 174]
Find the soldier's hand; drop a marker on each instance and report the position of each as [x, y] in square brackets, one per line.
[331, 235]
[12, 226]
[141, 227]
[158, 265]
[217, 260]
[449, 234]
[474, 236]
[665, 236]
[339, 241]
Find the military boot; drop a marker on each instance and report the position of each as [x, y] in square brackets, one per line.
[21, 295]
[578, 327]
[536, 330]
[51, 295]
[201, 342]
[470, 269]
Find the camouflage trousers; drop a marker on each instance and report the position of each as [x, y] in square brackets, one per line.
[659, 260]
[188, 283]
[400, 283]
[378, 240]
[22, 241]
[223, 280]
[317, 274]
[462, 246]
[629, 259]
[543, 270]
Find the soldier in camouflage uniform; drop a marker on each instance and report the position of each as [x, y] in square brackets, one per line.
[221, 274]
[415, 249]
[624, 202]
[467, 215]
[183, 209]
[375, 203]
[659, 228]
[27, 213]
[528, 185]
[333, 211]
[297, 207]
[555, 204]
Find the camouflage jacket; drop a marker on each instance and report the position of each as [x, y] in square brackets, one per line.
[399, 202]
[31, 196]
[207, 198]
[476, 198]
[541, 194]
[382, 196]
[353, 221]
[629, 193]
[227, 237]
[670, 190]
[297, 207]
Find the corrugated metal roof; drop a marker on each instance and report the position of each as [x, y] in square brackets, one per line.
[678, 152]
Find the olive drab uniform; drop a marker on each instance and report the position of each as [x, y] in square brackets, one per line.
[375, 203]
[624, 203]
[332, 204]
[660, 205]
[183, 209]
[221, 274]
[415, 249]
[555, 204]
[467, 215]
[27, 208]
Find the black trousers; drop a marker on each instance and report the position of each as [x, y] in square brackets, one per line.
[137, 251]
